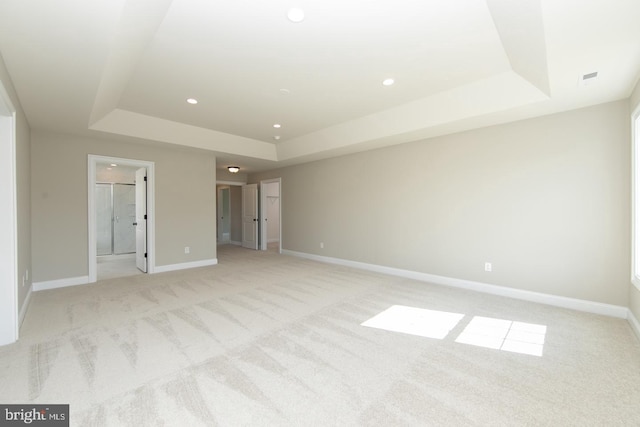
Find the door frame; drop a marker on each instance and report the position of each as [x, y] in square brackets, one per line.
[263, 213]
[9, 322]
[93, 160]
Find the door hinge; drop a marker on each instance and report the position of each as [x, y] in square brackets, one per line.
[145, 216]
[145, 254]
[145, 178]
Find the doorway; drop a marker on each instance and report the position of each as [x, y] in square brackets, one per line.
[115, 222]
[9, 323]
[139, 212]
[223, 224]
[115, 218]
[270, 208]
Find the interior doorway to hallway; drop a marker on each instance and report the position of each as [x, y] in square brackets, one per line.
[270, 215]
[268, 218]
[132, 225]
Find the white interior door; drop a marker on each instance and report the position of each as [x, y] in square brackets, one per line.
[141, 219]
[250, 216]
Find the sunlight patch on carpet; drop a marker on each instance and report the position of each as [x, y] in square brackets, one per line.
[415, 321]
[487, 332]
[500, 334]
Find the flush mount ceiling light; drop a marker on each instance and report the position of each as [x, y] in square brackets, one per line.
[192, 101]
[295, 15]
[233, 169]
[388, 82]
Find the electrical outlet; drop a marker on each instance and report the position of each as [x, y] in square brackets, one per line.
[187, 249]
[487, 266]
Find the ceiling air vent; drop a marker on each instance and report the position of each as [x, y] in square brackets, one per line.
[588, 78]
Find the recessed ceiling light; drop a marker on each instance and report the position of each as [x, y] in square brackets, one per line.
[277, 137]
[388, 82]
[114, 165]
[277, 125]
[295, 15]
[285, 91]
[192, 101]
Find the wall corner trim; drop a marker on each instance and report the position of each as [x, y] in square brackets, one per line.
[185, 265]
[635, 324]
[548, 299]
[60, 283]
[25, 306]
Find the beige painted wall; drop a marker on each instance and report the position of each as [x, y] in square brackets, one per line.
[226, 176]
[545, 200]
[23, 189]
[185, 210]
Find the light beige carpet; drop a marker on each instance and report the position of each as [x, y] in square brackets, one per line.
[268, 340]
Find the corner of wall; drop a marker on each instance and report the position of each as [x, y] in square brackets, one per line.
[634, 99]
[635, 324]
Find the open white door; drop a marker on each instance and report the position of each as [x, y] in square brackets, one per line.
[250, 216]
[141, 219]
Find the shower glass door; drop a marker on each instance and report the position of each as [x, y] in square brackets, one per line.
[116, 208]
[104, 215]
[124, 215]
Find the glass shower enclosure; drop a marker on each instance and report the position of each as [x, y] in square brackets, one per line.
[116, 213]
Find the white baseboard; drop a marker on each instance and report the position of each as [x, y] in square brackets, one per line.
[60, 283]
[83, 280]
[185, 265]
[554, 300]
[635, 325]
[25, 306]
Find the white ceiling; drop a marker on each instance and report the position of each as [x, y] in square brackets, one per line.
[126, 68]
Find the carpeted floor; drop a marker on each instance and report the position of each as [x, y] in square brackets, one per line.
[264, 339]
